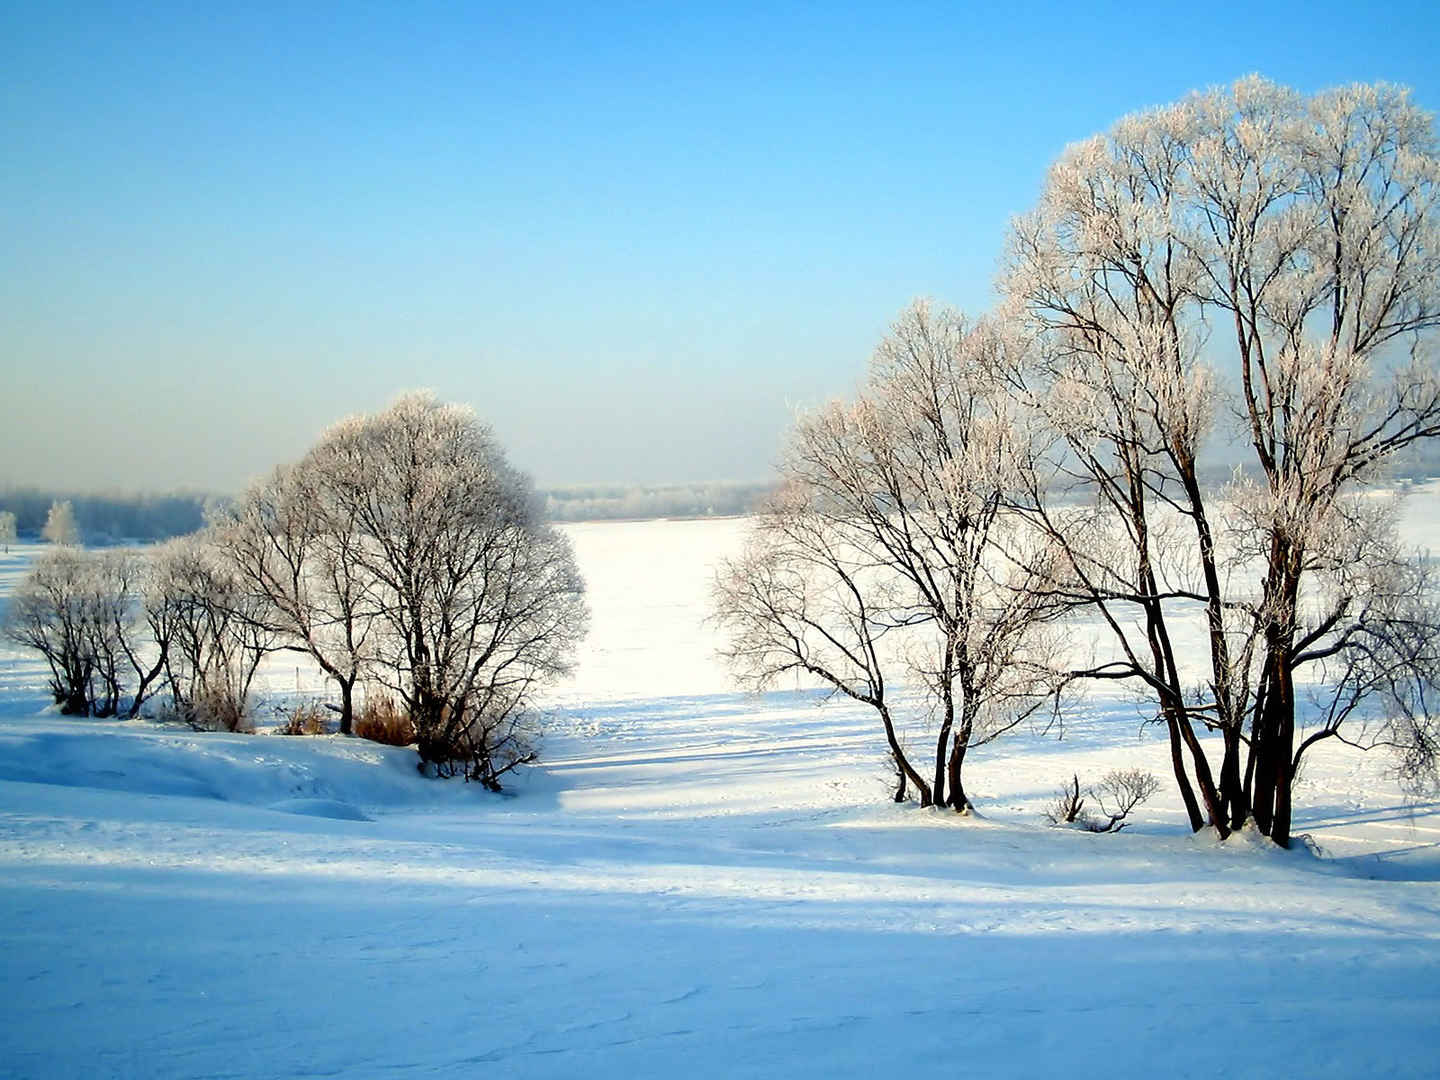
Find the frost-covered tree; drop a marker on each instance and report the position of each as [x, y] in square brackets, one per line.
[108, 600]
[48, 612]
[7, 529]
[477, 601]
[81, 611]
[216, 629]
[60, 527]
[296, 545]
[883, 560]
[1291, 244]
[131, 636]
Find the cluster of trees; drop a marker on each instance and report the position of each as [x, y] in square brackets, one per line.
[402, 551]
[1248, 258]
[1249, 275]
[620, 503]
[107, 519]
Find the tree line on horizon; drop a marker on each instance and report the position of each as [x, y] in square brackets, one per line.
[108, 519]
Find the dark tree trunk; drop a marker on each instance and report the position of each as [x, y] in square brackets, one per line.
[347, 706]
[1284, 753]
[1263, 798]
[147, 679]
[1274, 735]
[959, 800]
[942, 744]
[1182, 777]
[1274, 752]
[1204, 779]
[902, 763]
[1232, 789]
[1234, 807]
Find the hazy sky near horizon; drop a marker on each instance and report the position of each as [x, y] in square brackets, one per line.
[634, 237]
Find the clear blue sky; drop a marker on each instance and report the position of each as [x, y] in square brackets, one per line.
[632, 236]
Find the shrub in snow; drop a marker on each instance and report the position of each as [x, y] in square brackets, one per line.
[217, 708]
[382, 719]
[1117, 793]
[305, 719]
[1069, 804]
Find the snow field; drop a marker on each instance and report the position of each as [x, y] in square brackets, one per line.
[696, 883]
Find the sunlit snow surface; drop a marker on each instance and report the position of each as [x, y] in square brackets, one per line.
[695, 884]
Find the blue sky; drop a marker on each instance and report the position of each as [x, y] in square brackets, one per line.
[634, 237]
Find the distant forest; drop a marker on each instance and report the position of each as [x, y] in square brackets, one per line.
[109, 519]
[129, 519]
[621, 503]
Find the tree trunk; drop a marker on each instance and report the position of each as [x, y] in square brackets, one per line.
[901, 761]
[1275, 750]
[942, 744]
[1233, 806]
[347, 705]
[1204, 779]
[1182, 778]
[146, 680]
[1232, 789]
[1274, 735]
[959, 801]
[947, 717]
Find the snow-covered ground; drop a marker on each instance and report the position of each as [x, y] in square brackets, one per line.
[695, 884]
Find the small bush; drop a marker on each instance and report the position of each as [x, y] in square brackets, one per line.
[1118, 792]
[382, 719]
[305, 719]
[217, 710]
[480, 746]
[1068, 806]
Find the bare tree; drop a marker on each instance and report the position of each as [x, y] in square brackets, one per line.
[83, 612]
[802, 599]
[134, 630]
[60, 527]
[1118, 793]
[216, 629]
[1306, 231]
[884, 559]
[49, 613]
[292, 543]
[7, 529]
[108, 602]
[478, 600]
